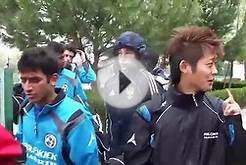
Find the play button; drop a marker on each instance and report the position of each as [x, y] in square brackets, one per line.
[125, 86]
[124, 81]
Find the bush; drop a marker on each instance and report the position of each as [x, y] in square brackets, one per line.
[239, 95]
[235, 84]
[96, 101]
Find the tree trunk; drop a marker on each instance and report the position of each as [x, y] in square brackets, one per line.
[231, 74]
[76, 40]
[226, 73]
[244, 70]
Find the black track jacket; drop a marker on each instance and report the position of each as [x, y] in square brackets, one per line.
[186, 130]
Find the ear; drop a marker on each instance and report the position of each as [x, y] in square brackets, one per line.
[185, 67]
[53, 79]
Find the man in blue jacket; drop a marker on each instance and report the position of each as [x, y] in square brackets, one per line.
[70, 77]
[53, 127]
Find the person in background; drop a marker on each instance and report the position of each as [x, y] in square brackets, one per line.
[129, 46]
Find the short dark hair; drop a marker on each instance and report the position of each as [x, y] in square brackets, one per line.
[38, 58]
[71, 48]
[56, 47]
[190, 43]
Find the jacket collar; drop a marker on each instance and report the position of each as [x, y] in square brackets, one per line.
[48, 107]
[179, 99]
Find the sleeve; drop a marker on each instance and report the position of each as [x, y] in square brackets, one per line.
[236, 140]
[138, 149]
[86, 73]
[19, 133]
[82, 140]
[114, 128]
[10, 149]
[79, 91]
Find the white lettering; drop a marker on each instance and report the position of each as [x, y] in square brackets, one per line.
[211, 135]
[41, 157]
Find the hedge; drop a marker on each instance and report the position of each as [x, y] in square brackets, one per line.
[239, 95]
[97, 102]
[235, 84]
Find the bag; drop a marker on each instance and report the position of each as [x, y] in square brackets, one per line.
[10, 149]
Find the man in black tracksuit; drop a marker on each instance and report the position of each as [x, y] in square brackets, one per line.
[189, 127]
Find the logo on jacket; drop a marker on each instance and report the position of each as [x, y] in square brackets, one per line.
[50, 140]
[132, 140]
[65, 88]
[211, 135]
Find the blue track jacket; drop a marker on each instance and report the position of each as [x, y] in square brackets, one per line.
[42, 138]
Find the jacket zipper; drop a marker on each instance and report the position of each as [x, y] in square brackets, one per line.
[36, 128]
[194, 99]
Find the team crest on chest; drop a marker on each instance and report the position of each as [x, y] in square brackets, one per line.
[50, 140]
[129, 92]
[65, 88]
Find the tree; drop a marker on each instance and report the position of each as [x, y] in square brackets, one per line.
[219, 15]
[35, 22]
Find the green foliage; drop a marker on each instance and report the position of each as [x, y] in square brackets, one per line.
[219, 14]
[30, 23]
[96, 101]
[236, 48]
[235, 84]
[239, 95]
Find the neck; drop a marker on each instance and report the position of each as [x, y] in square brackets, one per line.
[49, 99]
[185, 87]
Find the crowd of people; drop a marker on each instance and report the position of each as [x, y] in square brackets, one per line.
[175, 122]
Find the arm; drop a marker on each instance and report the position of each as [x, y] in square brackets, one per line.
[236, 133]
[141, 132]
[86, 73]
[83, 144]
[138, 149]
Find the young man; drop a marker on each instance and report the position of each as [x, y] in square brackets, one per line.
[189, 128]
[70, 77]
[130, 49]
[53, 128]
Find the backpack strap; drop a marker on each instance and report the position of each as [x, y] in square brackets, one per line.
[64, 129]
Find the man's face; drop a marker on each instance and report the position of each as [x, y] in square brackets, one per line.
[66, 58]
[203, 77]
[126, 58]
[37, 86]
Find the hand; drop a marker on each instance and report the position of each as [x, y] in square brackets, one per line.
[243, 115]
[230, 106]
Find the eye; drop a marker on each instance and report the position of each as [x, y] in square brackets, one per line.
[210, 65]
[23, 80]
[35, 80]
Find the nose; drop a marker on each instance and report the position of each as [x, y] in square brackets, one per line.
[214, 70]
[67, 59]
[27, 87]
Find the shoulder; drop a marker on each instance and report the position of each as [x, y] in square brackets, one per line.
[214, 103]
[68, 107]
[153, 106]
[150, 79]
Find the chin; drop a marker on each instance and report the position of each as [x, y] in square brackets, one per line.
[208, 88]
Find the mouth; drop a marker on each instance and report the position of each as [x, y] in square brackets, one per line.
[211, 81]
[30, 96]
